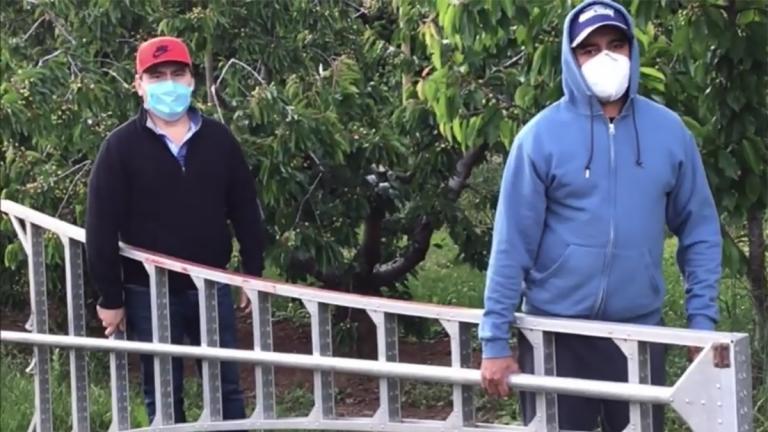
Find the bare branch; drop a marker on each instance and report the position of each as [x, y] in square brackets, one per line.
[317, 162]
[71, 186]
[239, 63]
[111, 72]
[212, 89]
[34, 26]
[304, 200]
[69, 171]
[48, 57]
[360, 10]
[509, 63]
[216, 102]
[209, 73]
[323, 55]
[58, 22]
[464, 167]
[73, 67]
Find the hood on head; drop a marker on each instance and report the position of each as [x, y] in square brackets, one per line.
[576, 89]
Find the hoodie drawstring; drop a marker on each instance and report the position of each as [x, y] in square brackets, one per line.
[638, 153]
[591, 142]
[639, 156]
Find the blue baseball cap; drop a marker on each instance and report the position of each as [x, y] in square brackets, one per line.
[593, 17]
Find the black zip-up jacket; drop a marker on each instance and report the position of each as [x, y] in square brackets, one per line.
[139, 193]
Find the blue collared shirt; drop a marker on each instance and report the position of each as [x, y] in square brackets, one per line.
[179, 151]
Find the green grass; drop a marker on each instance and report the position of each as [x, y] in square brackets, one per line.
[441, 279]
[17, 392]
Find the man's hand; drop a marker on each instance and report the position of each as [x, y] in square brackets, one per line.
[111, 319]
[494, 373]
[244, 305]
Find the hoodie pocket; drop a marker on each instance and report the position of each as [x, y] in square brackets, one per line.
[570, 287]
[635, 288]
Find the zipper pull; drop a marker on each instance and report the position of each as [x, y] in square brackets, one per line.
[611, 128]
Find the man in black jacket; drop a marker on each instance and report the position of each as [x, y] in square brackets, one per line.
[169, 180]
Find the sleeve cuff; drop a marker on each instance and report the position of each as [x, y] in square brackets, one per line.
[496, 348]
[111, 302]
[701, 322]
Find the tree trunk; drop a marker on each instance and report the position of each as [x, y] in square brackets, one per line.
[756, 273]
[209, 74]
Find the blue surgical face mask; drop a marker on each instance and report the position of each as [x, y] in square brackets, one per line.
[168, 100]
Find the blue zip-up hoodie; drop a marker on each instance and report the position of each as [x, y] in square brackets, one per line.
[581, 216]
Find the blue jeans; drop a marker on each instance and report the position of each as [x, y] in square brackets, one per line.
[185, 323]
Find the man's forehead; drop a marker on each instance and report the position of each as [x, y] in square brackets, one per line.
[604, 32]
[166, 67]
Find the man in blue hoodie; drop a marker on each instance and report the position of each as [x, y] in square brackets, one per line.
[588, 189]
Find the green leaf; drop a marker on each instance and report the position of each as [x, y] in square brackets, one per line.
[642, 37]
[491, 126]
[728, 164]
[506, 129]
[12, 255]
[458, 127]
[537, 58]
[10, 98]
[747, 16]
[521, 34]
[509, 7]
[474, 125]
[649, 71]
[751, 156]
[448, 20]
[732, 255]
[523, 94]
[694, 126]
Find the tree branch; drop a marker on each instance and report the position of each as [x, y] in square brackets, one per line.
[209, 74]
[464, 167]
[509, 63]
[34, 26]
[370, 249]
[308, 265]
[83, 169]
[304, 200]
[756, 269]
[397, 269]
[58, 22]
[217, 99]
[48, 57]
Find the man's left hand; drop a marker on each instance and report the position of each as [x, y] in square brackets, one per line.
[244, 304]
